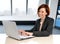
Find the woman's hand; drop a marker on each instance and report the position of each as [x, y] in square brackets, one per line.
[22, 32]
[28, 33]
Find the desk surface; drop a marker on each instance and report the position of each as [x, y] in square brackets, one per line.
[37, 40]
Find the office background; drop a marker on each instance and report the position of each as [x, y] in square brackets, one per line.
[24, 12]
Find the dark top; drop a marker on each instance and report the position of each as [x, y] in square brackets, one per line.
[46, 29]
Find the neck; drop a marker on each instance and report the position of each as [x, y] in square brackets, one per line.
[43, 18]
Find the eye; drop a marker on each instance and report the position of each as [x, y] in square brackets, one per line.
[42, 11]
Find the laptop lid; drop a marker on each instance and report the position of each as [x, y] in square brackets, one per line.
[11, 29]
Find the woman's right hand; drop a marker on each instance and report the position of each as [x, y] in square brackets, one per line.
[22, 32]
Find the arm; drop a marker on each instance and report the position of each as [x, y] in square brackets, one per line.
[45, 33]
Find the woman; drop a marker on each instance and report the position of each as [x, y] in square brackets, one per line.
[43, 26]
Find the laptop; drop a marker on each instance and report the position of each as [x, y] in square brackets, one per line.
[12, 31]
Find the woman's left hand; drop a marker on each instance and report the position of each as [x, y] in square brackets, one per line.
[28, 33]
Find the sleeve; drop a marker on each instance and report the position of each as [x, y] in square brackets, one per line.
[34, 28]
[45, 33]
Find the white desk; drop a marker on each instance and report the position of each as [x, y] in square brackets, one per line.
[56, 39]
[37, 40]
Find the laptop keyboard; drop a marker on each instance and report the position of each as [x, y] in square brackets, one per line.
[26, 36]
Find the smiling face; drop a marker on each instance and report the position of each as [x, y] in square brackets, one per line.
[42, 13]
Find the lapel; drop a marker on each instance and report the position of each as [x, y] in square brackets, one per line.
[38, 24]
[44, 24]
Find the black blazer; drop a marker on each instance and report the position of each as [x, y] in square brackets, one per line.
[46, 29]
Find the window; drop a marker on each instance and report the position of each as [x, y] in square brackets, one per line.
[5, 8]
[18, 7]
[32, 6]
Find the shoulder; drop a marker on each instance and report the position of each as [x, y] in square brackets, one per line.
[37, 20]
[50, 19]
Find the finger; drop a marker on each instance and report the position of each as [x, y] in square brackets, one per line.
[23, 34]
[27, 34]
